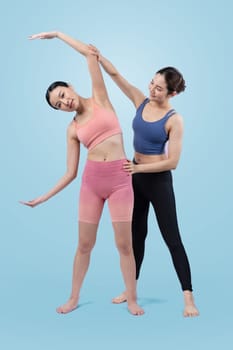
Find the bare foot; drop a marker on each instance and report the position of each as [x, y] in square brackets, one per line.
[190, 309]
[68, 307]
[120, 299]
[135, 309]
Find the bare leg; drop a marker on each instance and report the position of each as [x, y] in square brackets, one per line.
[190, 309]
[123, 237]
[87, 238]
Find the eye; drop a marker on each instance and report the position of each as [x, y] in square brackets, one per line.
[62, 95]
[59, 105]
[152, 82]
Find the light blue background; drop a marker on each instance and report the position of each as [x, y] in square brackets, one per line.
[37, 245]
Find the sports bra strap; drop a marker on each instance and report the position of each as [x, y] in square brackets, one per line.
[170, 113]
[141, 106]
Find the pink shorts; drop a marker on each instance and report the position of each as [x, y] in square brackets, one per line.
[103, 181]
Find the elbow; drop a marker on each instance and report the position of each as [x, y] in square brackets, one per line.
[173, 164]
[173, 167]
[71, 176]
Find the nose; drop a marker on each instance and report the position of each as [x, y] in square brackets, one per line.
[64, 102]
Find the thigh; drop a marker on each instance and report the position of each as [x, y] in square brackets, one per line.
[163, 201]
[90, 204]
[140, 219]
[120, 201]
[141, 200]
[87, 234]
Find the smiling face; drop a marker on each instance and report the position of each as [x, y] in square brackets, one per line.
[64, 98]
[158, 89]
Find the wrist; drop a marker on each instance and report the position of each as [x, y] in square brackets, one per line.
[44, 198]
[139, 168]
[57, 34]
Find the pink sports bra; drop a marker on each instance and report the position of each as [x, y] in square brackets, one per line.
[103, 124]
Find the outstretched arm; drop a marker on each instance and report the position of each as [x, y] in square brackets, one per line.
[98, 86]
[74, 43]
[133, 93]
[73, 150]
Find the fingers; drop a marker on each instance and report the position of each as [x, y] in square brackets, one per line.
[26, 203]
[93, 47]
[31, 204]
[22, 202]
[93, 50]
[128, 167]
[43, 35]
[128, 164]
[37, 36]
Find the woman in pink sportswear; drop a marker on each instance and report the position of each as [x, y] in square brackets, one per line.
[95, 125]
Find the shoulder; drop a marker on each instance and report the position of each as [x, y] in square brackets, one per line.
[142, 100]
[174, 124]
[71, 131]
[175, 119]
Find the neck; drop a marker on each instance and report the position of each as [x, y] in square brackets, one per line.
[83, 104]
[160, 105]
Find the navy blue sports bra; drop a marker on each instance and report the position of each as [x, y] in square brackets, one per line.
[150, 137]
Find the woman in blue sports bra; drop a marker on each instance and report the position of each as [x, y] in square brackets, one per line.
[154, 124]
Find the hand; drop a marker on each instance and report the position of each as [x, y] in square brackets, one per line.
[130, 167]
[43, 35]
[94, 51]
[33, 203]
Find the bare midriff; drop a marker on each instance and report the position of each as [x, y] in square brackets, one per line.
[146, 159]
[108, 150]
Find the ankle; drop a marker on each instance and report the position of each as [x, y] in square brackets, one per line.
[188, 296]
[74, 298]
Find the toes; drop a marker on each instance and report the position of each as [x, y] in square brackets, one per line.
[64, 310]
[190, 313]
[136, 311]
[59, 310]
[119, 300]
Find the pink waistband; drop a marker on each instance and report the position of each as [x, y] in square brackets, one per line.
[101, 168]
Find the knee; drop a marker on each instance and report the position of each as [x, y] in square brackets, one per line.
[85, 247]
[175, 246]
[125, 249]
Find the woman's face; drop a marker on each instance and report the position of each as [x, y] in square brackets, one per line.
[64, 99]
[158, 89]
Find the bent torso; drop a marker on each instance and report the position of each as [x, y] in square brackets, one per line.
[111, 148]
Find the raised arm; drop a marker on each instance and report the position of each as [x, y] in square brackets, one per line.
[73, 151]
[133, 93]
[98, 87]
[74, 43]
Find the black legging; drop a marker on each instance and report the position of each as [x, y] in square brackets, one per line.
[157, 189]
